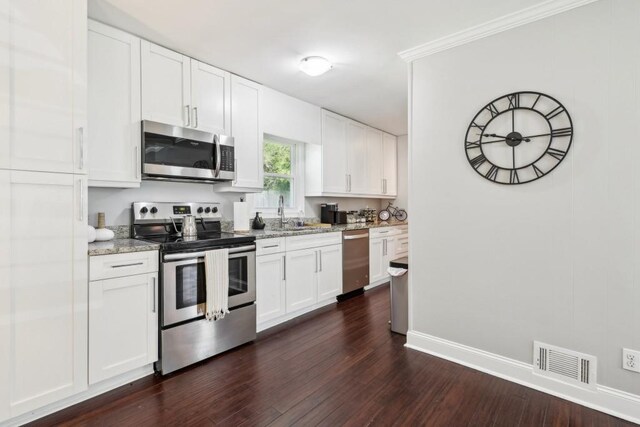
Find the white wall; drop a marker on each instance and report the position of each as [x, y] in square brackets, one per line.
[403, 173]
[494, 266]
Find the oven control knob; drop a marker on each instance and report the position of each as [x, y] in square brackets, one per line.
[144, 210]
[214, 210]
[200, 210]
[154, 210]
[208, 210]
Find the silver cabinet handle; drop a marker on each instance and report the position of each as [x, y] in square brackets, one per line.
[235, 171]
[383, 232]
[80, 201]
[188, 115]
[195, 117]
[384, 181]
[81, 142]
[349, 183]
[284, 267]
[127, 265]
[346, 182]
[320, 254]
[154, 294]
[270, 246]
[136, 155]
[316, 261]
[384, 247]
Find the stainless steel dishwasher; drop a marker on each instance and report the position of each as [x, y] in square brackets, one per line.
[355, 260]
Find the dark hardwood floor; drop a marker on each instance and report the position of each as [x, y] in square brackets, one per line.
[337, 366]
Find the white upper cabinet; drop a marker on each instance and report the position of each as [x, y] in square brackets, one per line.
[166, 85]
[246, 130]
[290, 118]
[43, 290]
[375, 162]
[210, 98]
[354, 160]
[182, 91]
[114, 107]
[390, 165]
[43, 85]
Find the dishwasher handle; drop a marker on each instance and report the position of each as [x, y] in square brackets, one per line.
[356, 236]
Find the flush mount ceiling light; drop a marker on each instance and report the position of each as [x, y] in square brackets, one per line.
[315, 65]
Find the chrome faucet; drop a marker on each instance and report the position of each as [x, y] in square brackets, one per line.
[281, 210]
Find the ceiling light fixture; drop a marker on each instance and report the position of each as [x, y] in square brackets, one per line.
[315, 65]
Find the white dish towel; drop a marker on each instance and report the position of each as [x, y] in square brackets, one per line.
[216, 265]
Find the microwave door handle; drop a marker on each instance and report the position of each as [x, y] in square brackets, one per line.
[216, 142]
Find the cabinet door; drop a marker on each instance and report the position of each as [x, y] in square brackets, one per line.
[390, 157]
[334, 155]
[329, 272]
[247, 133]
[166, 85]
[375, 162]
[301, 281]
[377, 270]
[123, 325]
[211, 98]
[114, 107]
[270, 287]
[43, 262]
[357, 157]
[40, 87]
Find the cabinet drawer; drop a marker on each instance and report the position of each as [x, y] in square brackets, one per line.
[388, 231]
[402, 245]
[313, 240]
[120, 265]
[270, 246]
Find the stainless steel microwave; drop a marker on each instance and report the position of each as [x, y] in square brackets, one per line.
[183, 154]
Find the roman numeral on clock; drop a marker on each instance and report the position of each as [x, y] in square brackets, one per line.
[477, 161]
[557, 133]
[493, 110]
[492, 173]
[471, 144]
[538, 171]
[514, 100]
[558, 110]
[477, 126]
[556, 154]
[513, 177]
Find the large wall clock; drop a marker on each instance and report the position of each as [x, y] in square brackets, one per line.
[519, 137]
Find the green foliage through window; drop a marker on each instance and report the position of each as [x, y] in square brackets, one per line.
[278, 175]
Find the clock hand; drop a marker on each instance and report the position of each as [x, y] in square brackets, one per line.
[525, 139]
[513, 152]
[536, 136]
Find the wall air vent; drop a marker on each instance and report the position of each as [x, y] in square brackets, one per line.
[568, 366]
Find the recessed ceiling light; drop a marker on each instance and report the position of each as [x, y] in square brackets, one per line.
[315, 65]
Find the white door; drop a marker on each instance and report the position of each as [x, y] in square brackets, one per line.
[335, 178]
[302, 276]
[123, 325]
[329, 272]
[211, 98]
[390, 156]
[43, 265]
[375, 162]
[377, 271]
[270, 287]
[114, 107]
[357, 157]
[247, 133]
[41, 89]
[166, 85]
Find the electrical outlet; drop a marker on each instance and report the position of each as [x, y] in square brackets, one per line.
[631, 360]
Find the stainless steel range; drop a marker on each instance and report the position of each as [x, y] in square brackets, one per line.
[186, 336]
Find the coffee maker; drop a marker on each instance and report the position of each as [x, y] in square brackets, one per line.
[329, 214]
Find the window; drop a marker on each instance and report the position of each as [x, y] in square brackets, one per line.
[281, 177]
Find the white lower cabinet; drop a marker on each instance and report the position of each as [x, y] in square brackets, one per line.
[123, 325]
[329, 272]
[301, 283]
[270, 290]
[385, 245]
[43, 289]
[306, 276]
[123, 313]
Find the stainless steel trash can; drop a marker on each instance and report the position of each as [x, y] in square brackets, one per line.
[399, 295]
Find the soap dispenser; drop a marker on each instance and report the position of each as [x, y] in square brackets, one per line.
[258, 222]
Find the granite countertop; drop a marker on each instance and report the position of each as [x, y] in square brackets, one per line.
[120, 246]
[271, 233]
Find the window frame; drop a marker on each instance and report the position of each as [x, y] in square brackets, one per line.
[297, 179]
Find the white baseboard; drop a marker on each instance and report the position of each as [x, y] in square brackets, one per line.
[93, 391]
[289, 316]
[605, 399]
[378, 283]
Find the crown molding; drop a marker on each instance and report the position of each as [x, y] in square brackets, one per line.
[498, 25]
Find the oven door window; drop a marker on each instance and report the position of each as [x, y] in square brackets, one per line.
[238, 276]
[179, 152]
[190, 285]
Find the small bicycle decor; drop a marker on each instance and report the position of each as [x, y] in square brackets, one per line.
[389, 211]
